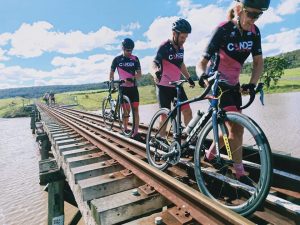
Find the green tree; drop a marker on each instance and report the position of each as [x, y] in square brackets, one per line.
[273, 70]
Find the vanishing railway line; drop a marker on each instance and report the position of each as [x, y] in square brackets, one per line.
[112, 182]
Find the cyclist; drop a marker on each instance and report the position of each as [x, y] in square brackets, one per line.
[52, 98]
[46, 98]
[234, 40]
[129, 69]
[168, 66]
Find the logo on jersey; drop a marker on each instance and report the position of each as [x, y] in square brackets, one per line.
[176, 56]
[241, 46]
[126, 64]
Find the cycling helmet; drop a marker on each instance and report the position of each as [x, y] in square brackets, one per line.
[127, 43]
[256, 4]
[182, 26]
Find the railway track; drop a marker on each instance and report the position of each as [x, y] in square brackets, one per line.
[91, 156]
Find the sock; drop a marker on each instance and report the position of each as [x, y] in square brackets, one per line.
[211, 152]
[239, 169]
[135, 132]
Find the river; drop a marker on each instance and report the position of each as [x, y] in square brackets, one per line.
[22, 199]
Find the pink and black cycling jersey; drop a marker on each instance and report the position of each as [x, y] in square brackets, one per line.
[170, 61]
[234, 48]
[126, 66]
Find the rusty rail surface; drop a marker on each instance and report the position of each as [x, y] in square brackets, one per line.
[131, 155]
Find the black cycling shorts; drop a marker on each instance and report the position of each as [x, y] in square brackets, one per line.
[132, 93]
[231, 100]
[166, 95]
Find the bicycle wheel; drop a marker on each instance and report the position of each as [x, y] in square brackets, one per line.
[126, 117]
[159, 139]
[217, 179]
[107, 113]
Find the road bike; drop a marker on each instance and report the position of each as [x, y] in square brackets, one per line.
[118, 109]
[166, 146]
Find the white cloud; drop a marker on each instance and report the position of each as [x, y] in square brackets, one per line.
[72, 70]
[3, 57]
[288, 7]
[4, 38]
[132, 26]
[281, 42]
[269, 17]
[32, 40]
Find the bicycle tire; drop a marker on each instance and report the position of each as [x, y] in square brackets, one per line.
[129, 112]
[218, 184]
[153, 148]
[107, 113]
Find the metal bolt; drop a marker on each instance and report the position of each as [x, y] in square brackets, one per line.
[158, 220]
[186, 214]
[135, 192]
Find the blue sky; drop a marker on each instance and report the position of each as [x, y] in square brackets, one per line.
[73, 42]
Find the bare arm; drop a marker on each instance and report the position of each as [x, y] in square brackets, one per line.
[138, 74]
[258, 66]
[187, 75]
[201, 67]
[155, 68]
[111, 75]
[184, 71]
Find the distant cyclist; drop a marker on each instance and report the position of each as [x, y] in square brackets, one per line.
[46, 98]
[168, 66]
[129, 69]
[52, 98]
[234, 40]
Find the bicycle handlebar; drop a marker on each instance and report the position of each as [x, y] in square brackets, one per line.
[259, 88]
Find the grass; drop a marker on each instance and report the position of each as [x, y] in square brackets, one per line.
[13, 107]
[91, 100]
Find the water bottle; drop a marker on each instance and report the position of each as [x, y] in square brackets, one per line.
[112, 105]
[193, 122]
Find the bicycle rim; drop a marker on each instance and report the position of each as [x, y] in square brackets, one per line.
[126, 117]
[107, 113]
[218, 180]
[159, 138]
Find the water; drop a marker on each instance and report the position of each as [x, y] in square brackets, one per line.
[279, 118]
[22, 200]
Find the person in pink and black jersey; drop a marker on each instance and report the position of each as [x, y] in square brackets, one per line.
[129, 69]
[234, 40]
[168, 66]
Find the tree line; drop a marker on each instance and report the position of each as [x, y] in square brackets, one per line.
[273, 70]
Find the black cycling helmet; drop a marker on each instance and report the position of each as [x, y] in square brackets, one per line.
[127, 43]
[182, 26]
[256, 4]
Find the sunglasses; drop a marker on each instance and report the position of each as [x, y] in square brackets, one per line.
[252, 15]
[128, 50]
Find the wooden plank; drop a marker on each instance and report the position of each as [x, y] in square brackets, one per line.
[95, 169]
[65, 137]
[74, 146]
[68, 141]
[80, 151]
[87, 159]
[105, 185]
[125, 205]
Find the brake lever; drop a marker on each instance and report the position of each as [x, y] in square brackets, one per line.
[260, 89]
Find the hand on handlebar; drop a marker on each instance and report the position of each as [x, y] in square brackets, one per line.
[191, 82]
[203, 80]
[248, 89]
